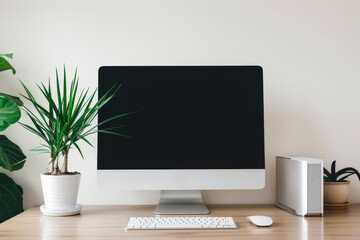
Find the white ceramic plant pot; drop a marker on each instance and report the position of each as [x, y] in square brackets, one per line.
[60, 194]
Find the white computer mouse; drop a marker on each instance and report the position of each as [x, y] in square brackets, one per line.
[260, 221]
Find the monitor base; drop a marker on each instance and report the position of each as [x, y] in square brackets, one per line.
[181, 202]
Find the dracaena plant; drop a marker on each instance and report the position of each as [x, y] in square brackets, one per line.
[341, 175]
[66, 120]
[11, 156]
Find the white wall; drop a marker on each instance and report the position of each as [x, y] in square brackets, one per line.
[309, 51]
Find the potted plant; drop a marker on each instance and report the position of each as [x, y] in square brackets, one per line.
[11, 200]
[336, 187]
[62, 124]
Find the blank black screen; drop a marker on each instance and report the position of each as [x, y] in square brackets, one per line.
[187, 117]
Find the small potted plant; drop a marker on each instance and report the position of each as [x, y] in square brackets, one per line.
[62, 124]
[336, 187]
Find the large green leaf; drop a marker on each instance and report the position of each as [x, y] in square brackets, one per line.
[10, 155]
[11, 200]
[8, 55]
[9, 113]
[5, 65]
[12, 98]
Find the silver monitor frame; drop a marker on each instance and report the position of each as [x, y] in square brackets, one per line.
[180, 189]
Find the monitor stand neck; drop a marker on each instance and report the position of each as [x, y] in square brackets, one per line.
[181, 202]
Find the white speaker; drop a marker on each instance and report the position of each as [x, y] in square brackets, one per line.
[299, 185]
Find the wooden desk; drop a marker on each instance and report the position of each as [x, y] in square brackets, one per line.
[108, 222]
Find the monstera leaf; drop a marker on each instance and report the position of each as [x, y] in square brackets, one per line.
[12, 98]
[11, 201]
[4, 64]
[10, 155]
[9, 113]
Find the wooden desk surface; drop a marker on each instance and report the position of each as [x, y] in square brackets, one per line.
[108, 222]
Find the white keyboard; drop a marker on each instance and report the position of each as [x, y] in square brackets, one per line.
[143, 223]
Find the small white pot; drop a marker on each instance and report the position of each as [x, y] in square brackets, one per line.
[60, 193]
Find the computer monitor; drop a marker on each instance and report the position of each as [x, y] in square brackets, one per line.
[193, 128]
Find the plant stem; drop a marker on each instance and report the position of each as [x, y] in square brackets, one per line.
[56, 169]
[52, 163]
[65, 164]
[51, 167]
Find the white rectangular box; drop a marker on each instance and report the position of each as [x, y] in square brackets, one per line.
[299, 185]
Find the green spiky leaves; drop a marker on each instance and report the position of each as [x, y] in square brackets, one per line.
[341, 175]
[68, 116]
